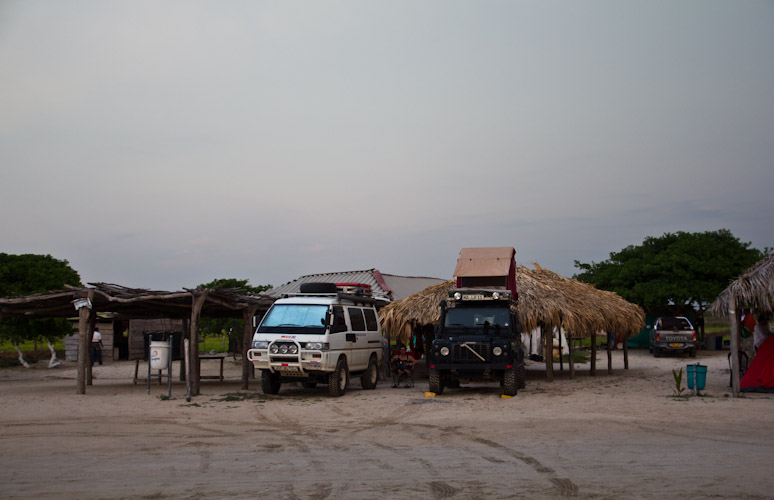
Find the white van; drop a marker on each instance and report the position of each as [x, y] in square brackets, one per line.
[320, 335]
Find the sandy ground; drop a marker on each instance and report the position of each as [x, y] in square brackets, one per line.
[609, 436]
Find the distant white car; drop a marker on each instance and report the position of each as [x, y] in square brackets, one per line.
[321, 335]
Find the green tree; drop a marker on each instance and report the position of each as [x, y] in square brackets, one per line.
[27, 274]
[232, 327]
[677, 273]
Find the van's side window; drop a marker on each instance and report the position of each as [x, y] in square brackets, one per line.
[371, 322]
[339, 323]
[356, 319]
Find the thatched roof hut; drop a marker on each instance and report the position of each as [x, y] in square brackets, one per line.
[544, 298]
[753, 289]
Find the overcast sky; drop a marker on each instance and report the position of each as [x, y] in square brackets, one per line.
[165, 144]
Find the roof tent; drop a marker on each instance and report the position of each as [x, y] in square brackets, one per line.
[491, 267]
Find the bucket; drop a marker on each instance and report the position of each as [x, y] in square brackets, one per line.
[159, 355]
[699, 373]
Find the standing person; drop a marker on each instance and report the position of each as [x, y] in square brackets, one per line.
[96, 347]
[761, 332]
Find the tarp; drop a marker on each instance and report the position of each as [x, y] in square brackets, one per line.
[760, 375]
[642, 339]
[491, 261]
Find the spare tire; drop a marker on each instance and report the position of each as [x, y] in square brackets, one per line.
[318, 288]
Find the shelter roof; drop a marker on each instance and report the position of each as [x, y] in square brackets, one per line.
[545, 297]
[490, 261]
[754, 288]
[131, 302]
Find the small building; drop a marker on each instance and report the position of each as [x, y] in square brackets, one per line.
[128, 339]
[107, 328]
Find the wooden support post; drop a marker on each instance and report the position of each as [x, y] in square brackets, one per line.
[593, 370]
[548, 342]
[184, 349]
[84, 344]
[561, 350]
[247, 340]
[572, 356]
[626, 352]
[610, 354]
[199, 297]
[92, 324]
[734, 315]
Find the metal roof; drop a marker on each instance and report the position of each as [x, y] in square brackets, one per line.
[388, 286]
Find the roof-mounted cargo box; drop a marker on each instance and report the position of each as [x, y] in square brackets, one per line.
[489, 267]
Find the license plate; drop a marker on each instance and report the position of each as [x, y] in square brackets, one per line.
[473, 297]
[676, 344]
[290, 370]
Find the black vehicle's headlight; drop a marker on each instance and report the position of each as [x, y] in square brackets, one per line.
[444, 351]
[497, 350]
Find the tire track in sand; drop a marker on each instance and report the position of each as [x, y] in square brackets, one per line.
[564, 486]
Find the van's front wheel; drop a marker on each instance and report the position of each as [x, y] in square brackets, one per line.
[337, 381]
[371, 376]
[270, 382]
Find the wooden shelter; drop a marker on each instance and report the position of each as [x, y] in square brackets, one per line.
[546, 300]
[754, 289]
[131, 303]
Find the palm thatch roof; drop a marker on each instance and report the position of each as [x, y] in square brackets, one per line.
[544, 297]
[131, 302]
[754, 288]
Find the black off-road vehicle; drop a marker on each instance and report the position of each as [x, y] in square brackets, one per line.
[478, 338]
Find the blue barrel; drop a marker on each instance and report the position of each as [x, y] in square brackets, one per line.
[697, 373]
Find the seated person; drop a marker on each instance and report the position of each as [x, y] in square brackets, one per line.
[402, 365]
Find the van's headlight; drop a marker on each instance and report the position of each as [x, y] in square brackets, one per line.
[444, 351]
[316, 346]
[274, 349]
[260, 344]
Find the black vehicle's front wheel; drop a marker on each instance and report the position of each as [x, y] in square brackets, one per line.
[436, 381]
[510, 382]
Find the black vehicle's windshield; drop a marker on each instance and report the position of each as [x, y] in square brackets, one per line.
[478, 320]
[295, 318]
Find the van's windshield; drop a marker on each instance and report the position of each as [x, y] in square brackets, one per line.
[295, 318]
